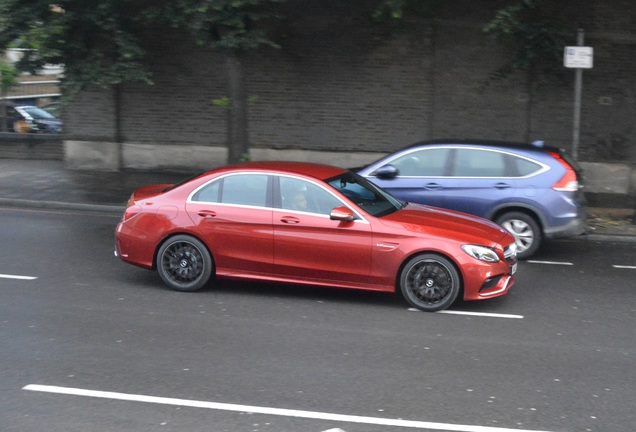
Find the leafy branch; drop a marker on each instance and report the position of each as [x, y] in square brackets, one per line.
[538, 38]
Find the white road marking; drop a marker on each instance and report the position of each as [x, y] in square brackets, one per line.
[481, 314]
[4, 276]
[270, 411]
[624, 267]
[550, 262]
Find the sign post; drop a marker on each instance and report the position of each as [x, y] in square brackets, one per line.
[578, 57]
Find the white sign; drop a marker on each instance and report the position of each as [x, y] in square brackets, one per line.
[578, 57]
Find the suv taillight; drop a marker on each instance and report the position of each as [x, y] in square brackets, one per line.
[569, 182]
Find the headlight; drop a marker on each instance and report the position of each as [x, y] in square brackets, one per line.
[482, 253]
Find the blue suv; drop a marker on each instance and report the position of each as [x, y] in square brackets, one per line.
[532, 190]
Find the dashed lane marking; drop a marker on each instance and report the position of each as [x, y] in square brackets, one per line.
[482, 314]
[270, 411]
[550, 262]
[467, 313]
[571, 264]
[5, 276]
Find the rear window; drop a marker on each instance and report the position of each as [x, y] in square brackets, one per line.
[489, 163]
[524, 167]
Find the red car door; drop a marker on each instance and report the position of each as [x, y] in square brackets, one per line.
[234, 216]
[309, 246]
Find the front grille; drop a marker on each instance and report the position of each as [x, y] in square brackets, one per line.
[510, 253]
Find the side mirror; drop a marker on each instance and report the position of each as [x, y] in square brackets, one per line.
[343, 214]
[387, 172]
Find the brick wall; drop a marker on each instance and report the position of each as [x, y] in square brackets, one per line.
[31, 146]
[339, 84]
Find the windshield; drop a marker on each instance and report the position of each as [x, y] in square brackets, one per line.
[368, 196]
[38, 113]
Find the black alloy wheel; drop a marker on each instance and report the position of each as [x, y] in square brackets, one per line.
[430, 282]
[184, 263]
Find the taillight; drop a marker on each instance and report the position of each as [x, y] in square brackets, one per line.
[570, 181]
[130, 212]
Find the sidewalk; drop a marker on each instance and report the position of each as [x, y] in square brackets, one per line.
[47, 184]
[44, 183]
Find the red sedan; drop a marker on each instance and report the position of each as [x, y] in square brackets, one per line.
[316, 225]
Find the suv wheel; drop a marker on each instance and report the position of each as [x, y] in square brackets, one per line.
[526, 231]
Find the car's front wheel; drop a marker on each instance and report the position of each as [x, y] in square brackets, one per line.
[430, 282]
[526, 231]
[184, 263]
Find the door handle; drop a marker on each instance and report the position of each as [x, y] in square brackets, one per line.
[503, 186]
[433, 186]
[206, 213]
[289, 220]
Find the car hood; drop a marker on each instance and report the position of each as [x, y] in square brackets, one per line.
[49, 125]
[421, 218]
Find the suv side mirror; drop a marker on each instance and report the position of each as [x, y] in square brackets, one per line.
[387, 172]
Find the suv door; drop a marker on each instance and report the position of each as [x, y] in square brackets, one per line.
[421, 176]
[478, 180]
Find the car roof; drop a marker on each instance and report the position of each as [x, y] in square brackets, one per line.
[536, 146]
[318, 171]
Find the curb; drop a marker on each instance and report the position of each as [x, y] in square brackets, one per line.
[56, 205]
[610, 238]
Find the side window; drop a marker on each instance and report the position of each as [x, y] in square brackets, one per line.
[423, 163]
[301, 195]
[245, 189]
[523, 167]
[209, 192]
[479, 163]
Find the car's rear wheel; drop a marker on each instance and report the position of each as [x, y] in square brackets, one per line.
[430, 282]
[184, 263]
[526, 231]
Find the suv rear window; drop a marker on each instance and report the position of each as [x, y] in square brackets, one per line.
[488, 163]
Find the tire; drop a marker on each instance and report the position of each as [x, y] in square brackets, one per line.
[184, 263]
[430, 282]
[525, 229]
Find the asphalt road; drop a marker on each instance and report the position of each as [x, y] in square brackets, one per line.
[88, 343]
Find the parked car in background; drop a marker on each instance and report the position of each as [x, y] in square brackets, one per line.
[312, 224]
[31, 119]
[532, 190]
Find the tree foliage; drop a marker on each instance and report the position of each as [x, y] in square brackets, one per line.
[533, 29]
[8, 78]
[98, 41]
[397, 13]
[233, 27]
[95, 40]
